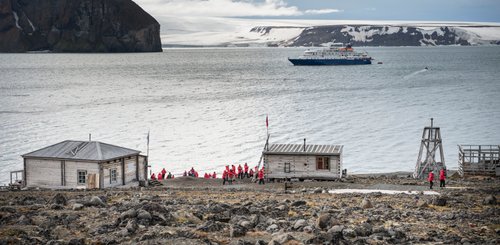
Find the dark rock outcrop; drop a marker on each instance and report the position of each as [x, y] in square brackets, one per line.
[77, 26]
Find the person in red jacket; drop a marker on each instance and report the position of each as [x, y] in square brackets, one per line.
[160, 176]
[240, 172]
[224, 177]
[233, 168]
[153, 177]
[245, 168]
[214, 175]
[442, 177]
[431, 179]
[251, 173]
[230, 176]
[205, 176]
[261, 177]
[164, 172]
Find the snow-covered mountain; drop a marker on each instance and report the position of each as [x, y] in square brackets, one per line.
[289, 33]
[386, 35]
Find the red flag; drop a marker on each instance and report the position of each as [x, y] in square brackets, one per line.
[267, 122]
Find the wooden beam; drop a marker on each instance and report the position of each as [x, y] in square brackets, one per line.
[101, 176]
[25, 182]
[137, 167]
[123, 171]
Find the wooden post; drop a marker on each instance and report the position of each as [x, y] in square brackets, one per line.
[25, 182]
[137, 167]
[123, 171]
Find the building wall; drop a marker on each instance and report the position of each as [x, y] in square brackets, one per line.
[72, 168]
[301, 167]
[49, 173]
[142, 168]
[106, 180]
[43, 173]
[130, 169]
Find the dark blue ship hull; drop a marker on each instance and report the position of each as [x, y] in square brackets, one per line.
[327, 62]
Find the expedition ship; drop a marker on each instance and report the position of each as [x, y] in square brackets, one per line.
[336, 54]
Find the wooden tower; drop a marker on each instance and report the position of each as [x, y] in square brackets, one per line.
[431, 149]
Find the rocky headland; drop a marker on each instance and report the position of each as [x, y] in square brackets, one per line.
[77, 26]
[201, 211]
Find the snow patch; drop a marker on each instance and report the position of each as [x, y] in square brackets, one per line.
[17, 20]
[31, 24]
[365, 33]
[390, 192]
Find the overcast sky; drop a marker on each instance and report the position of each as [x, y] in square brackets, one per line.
[409, 10]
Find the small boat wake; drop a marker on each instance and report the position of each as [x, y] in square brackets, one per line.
[416, 73]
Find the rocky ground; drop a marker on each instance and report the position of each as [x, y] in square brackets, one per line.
[198, 211]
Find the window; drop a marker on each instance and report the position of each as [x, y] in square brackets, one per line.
[287, 167]
[323, 163]
[82, 177]
[112, 175]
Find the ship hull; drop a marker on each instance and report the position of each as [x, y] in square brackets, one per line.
[329, 62]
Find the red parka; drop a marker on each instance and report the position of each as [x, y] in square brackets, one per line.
[261, 174]
[441, 174]
[431, 176]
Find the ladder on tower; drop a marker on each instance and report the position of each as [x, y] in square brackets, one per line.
[431, 147]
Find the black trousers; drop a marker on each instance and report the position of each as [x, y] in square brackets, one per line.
[261, 181]
[431, 184]
[441, 183]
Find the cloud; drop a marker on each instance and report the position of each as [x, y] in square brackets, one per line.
[226, 8]
[322, 11]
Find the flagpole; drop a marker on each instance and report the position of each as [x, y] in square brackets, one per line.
[147, 153]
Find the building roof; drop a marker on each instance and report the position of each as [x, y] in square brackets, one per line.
[298, 149]
[82, 150]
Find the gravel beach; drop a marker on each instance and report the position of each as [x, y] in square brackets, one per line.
[200, 211]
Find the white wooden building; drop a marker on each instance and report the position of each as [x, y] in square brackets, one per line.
[83, 164]
[303, 161]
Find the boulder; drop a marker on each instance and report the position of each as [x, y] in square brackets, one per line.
[298, 203]
[143, 215]
[490, 200]
[59, 199]
[272, 228]
[299, 224]
[96, 202]
[439, 201]
[131, 226]
[365, 204]
[323, 221]
[77, 206]
[131, 213]
[237, 231]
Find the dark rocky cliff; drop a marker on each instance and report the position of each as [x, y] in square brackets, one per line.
[77, 26]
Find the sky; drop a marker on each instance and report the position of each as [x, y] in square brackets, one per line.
[189, 21]
[408, 10]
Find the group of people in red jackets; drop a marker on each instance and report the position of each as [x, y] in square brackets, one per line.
[442, 177]
[162, 175]
[230, 174]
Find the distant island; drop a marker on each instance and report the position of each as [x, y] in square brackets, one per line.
[77, 26]
[358, 33]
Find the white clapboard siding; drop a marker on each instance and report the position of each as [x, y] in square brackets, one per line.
[44, 173]
[142, 168]
[72, 168]
[130, 169]
[106, 181]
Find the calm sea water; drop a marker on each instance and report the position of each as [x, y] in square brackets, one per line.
[207, 107]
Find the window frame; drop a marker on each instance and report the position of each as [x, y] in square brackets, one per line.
[84, 177]
[113, 178]
[287, 167]
[323, 163]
